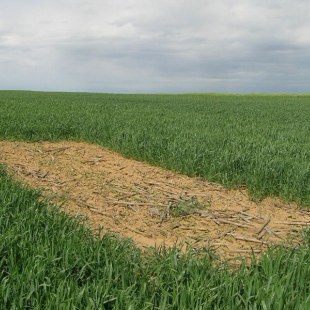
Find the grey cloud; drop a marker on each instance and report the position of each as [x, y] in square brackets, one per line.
[147, 46]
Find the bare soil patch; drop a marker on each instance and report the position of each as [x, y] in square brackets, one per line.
[151, 205]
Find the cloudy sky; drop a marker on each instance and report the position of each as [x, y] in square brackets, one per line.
[155, 46]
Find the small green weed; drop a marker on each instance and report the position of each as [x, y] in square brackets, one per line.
[185, 206]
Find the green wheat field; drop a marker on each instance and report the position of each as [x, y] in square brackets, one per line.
[49, 261]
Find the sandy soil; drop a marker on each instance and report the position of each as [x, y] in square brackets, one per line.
[141, 202]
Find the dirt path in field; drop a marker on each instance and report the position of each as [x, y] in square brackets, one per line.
[146, 203]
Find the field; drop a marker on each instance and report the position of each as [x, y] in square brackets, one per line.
[256, 142]
[261, 142]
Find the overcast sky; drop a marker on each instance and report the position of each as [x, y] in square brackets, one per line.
[155, 46]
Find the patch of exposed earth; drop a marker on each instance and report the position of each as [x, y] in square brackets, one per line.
[150, 205]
